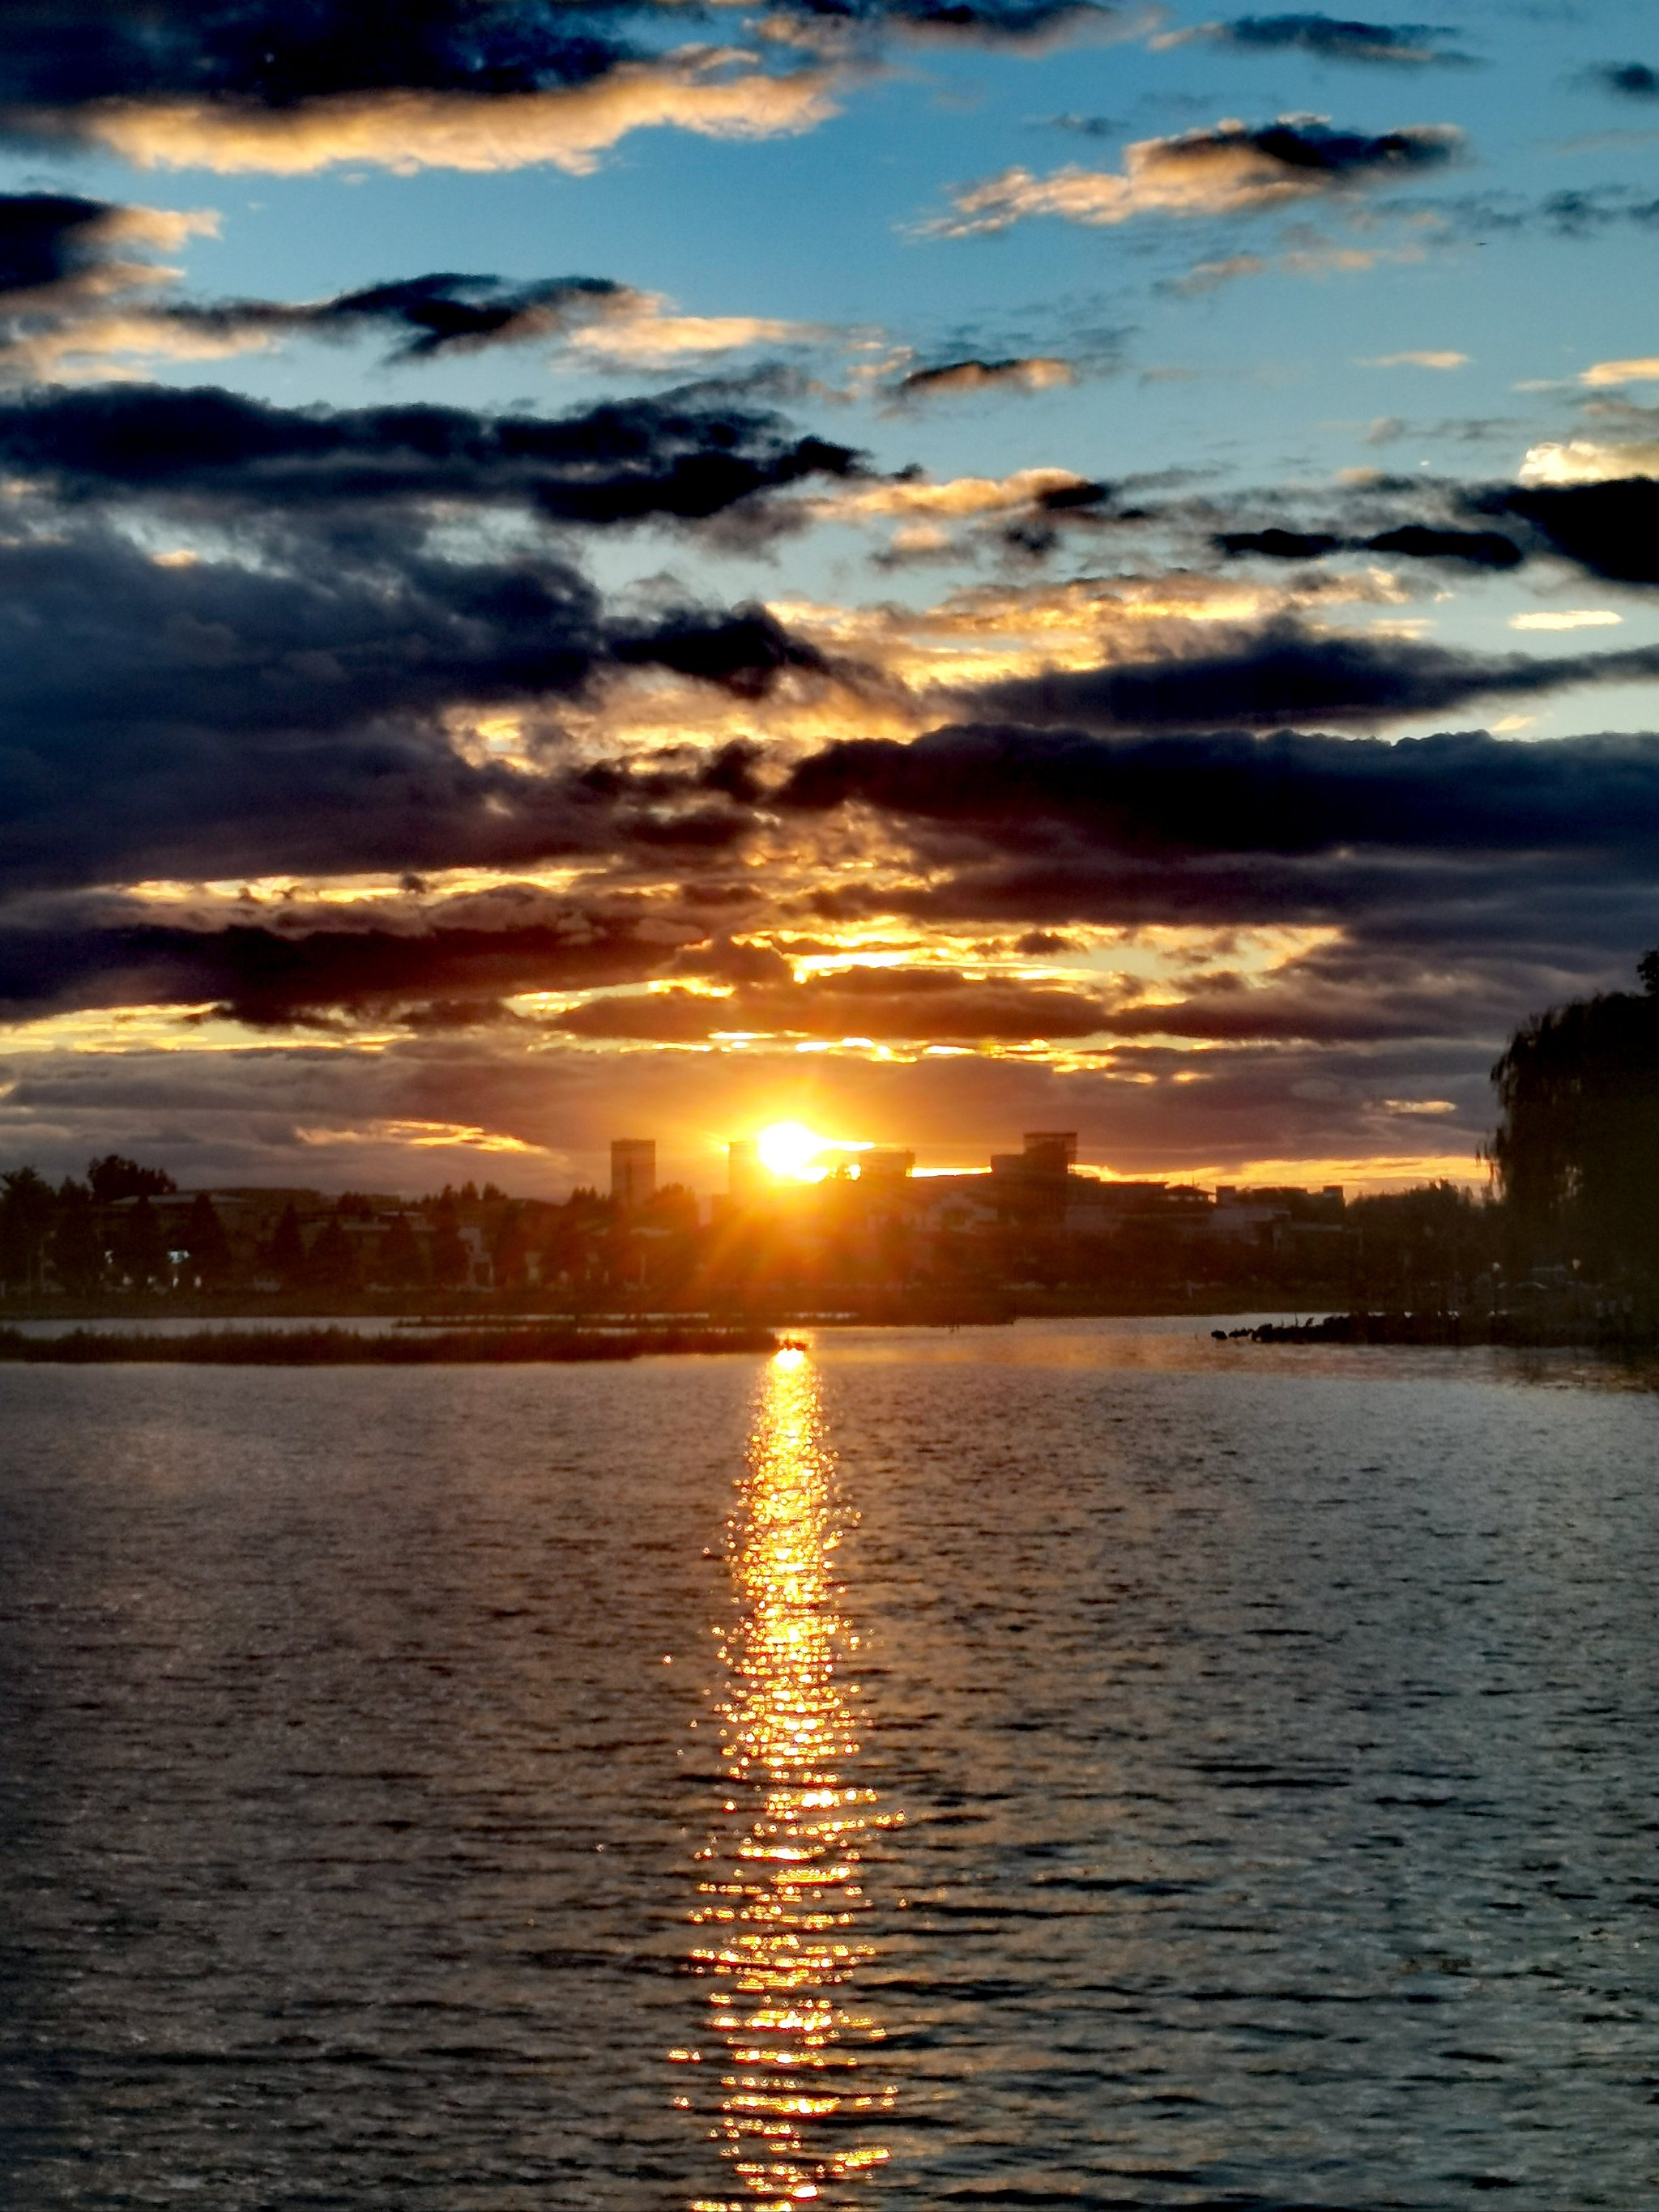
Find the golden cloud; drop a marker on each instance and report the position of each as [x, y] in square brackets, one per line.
[567, 128]
[1226, 169]
[105, 346]
[1567, 618]
[986, 633]
[1643, 369]
[957, 497]
[1589, 461]
[645, 332]
[1420, 359]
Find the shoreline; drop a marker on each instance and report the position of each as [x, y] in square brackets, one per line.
[427, 1340]
[1612, 1332]
[343, 1347]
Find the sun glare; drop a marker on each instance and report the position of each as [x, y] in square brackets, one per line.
[789, 1149]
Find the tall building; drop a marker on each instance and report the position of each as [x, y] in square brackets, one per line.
[1050, 1151]
[633, 1171]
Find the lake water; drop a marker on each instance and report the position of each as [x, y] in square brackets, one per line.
[1076, 1765]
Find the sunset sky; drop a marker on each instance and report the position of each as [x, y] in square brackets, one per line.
[930, 569]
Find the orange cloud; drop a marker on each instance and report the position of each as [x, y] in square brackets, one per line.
[1228, 169]
[567, 128]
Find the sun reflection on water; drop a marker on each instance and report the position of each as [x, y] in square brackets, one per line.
[789, 2086]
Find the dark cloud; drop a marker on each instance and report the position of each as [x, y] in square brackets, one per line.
[1334, 39]
[425, 316]
[73, 297]
[1016, 22]
[62, 54]
[1439, 910]
[1464, 851]
[1413, 541]
[1278, 545]
[1462, 879]
[1018, 373]
[725, 961]
[213, 717]
[1630, 80]
[70, 290]
[60, 57]
[1282, 672]
[1582, 214]
[1611, 529]
[1416, 541]
[1574, 211]
[744, 652]
[883, 1003]
[1305, 149]
[682, 456]
[268, 977]
[1088, 126]
[48, 238]
[1284, 795]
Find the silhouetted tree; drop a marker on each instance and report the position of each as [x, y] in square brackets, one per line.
[141, 1248]
[331, 1264]
[286, 1257]
[1429, 1244]
[401, 1260]
[27, 1209]
[112, 1178]
[511, 1251]
[1577, 1150]
[449, 1253]
[77, 1243]
[206, 1242]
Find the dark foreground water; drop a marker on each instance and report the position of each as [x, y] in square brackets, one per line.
[1079, 1766]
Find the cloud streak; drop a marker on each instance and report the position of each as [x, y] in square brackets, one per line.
[711, 93]
[1286, 672]
[1327, 38]
[1230, 169]
[1286, 794]
[680, 457]
[954, 379]
[75, 304]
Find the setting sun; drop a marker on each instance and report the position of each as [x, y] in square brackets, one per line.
[789, 1149]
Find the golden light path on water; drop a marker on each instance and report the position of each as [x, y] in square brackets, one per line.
[791, 2089]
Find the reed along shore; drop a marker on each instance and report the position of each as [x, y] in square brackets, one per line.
[345, 1347]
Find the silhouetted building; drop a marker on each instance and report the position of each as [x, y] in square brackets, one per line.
[885, 1164]
[1050, 1151]
[633, 1172]
[1275, 1215]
